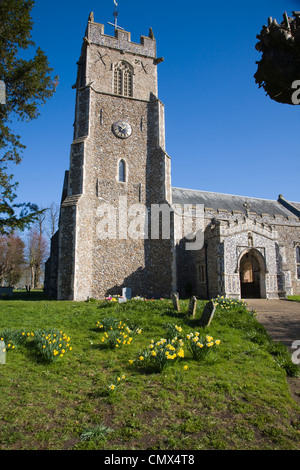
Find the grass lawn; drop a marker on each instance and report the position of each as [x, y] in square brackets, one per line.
[235, 398]
[295, 298]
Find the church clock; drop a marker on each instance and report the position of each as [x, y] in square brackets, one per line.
[122, 129]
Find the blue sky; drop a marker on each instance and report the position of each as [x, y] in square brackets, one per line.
[223, 133]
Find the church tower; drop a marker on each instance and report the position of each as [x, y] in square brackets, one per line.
[118, 169]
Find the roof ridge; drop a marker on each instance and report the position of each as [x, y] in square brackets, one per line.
[226, 194]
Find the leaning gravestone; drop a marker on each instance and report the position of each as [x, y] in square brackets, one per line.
[175, 300]
[207, 314]
[192, 307]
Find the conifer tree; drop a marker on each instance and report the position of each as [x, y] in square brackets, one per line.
[29, 84]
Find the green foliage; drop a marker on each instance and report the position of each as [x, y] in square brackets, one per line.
[295, 298]
[51, 345]
[13, 338]
[226, 303]
[116, 333]
[29, 85]
[173, 331]
[160, 354]
[200, 346]
[95, 433]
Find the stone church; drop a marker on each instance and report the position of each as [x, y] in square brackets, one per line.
[121, 221]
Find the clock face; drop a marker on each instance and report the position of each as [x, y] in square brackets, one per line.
[122, 129]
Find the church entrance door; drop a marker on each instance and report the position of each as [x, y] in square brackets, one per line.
[252, 275]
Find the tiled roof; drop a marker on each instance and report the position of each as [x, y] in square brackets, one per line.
[231, 203]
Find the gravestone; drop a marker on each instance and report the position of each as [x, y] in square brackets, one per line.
[126, 293]
[6, 292]
[2, 353]
[175, 299]
[192, 307]
[207, 314]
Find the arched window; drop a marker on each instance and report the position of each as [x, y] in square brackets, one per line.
[122, 171]
[123, 74]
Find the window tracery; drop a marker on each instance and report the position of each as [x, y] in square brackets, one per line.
[123, 79]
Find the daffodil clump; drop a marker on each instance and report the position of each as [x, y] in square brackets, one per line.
[225, 303]
[13, 338]
[173, 331]
[51, 345]
[117, 335]
[116, 383]
[199, 346]
[160, 354]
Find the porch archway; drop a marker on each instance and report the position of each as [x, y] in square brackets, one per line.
[252, 272]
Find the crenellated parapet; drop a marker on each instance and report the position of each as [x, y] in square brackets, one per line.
[121, 40]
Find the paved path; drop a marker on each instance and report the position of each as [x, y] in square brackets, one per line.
[281, 318]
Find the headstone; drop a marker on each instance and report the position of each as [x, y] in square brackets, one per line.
[126, 293]
[2, 353]
[6, 292]
[207, 314]
[175, 300]
[192, 307]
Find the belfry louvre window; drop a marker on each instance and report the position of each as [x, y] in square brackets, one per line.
[123, 79]
[298, 261]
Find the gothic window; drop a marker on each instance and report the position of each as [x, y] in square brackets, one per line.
[298, 261]
[122, 171]
[123, 74]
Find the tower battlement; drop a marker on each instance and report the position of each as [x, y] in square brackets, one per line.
[121, 40]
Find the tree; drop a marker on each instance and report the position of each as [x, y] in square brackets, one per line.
[11, 259]
[37, 251]
[53, 217]
[28, 85]
[279, 68]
